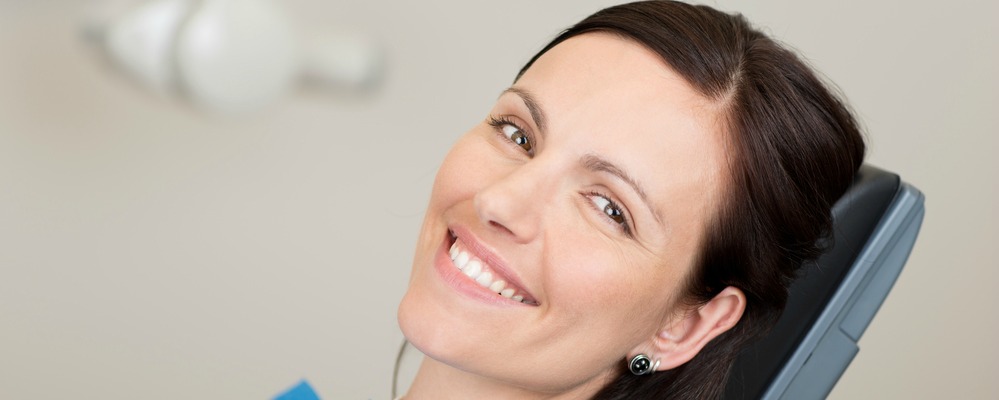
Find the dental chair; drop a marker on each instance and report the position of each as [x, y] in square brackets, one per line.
[834, 299]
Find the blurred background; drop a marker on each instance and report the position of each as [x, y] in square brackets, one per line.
[154, 244]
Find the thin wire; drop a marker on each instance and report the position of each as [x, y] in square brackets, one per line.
[395, 370]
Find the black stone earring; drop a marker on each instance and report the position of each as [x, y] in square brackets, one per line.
[642, 364]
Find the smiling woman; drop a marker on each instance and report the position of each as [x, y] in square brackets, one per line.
[635, 202]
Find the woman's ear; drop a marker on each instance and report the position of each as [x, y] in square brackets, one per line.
[683, 337]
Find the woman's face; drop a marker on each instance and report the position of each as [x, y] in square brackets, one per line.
[587, 191]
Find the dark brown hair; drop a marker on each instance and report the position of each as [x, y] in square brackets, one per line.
[794, 149]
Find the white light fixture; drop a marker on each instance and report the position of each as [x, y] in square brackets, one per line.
[226, 55]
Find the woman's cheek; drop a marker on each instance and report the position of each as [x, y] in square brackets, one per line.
[457, 173]
[587, 271]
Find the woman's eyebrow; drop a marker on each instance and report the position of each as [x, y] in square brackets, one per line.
[593, 162]
[533, 107]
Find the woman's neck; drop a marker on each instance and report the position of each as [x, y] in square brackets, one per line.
[436, 380]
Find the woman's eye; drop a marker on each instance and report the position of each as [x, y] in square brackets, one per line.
[610, 209]
[518, 137]
[513, 133]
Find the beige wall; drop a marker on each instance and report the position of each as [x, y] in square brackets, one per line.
[149, 251]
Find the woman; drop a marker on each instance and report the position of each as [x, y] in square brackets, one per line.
[636, 202]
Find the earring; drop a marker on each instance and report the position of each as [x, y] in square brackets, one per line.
[642, 364]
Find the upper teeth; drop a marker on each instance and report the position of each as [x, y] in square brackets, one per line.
[481, 273]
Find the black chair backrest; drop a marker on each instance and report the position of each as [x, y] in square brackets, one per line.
[855, 217]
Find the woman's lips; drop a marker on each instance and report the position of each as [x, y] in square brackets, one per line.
[473, 269]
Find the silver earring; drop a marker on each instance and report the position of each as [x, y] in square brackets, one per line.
[642, 364]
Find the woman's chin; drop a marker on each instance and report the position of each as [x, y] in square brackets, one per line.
[421, 316]
[412, 316]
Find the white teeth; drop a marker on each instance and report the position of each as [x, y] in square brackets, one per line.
[461, 260]
[472, 269]
[480, 273]
[485, 279]
[497, 286]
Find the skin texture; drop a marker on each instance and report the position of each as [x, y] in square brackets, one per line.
[603, 294]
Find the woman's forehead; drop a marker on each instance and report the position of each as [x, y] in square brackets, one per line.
[611, 93]
[615, 73]
[603, 83]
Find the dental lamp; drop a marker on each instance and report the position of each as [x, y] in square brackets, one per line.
[228, 56]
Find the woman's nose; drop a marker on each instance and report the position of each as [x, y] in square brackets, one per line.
[514, 204]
